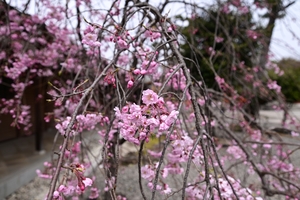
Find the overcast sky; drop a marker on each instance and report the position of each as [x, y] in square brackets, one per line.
[284, 43]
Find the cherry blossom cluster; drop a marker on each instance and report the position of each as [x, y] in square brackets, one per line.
[178, 80]
[272, 85]
[20, 113]
[148, 173]
[148, 66]
[153, 35]
[83, 122]
[275, 67]
[137, 122]
[233, 5]
[76, 184]
[36, 46]
[90, 37]
[194, 192]
[74, 188]
[178, 153]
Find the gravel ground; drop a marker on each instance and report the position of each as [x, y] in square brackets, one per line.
[127, 179]
[128, 185]
[35, 190]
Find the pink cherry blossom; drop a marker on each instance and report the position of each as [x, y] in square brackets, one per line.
[94, 193]
[149, 97]
[56, 194]
[294, 134]
[122, 43]
[87, 182]
[219, 39]
[129, 84]
[137, 71]
[243, 9]
[273, 86]
[252, 34]
[236, 3]
[90, 39]
[225, 9]
[152, 35]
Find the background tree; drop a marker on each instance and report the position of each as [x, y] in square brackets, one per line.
[226, 41]
[288, 79]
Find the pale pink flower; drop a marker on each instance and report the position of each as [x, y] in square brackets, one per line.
[94, 193]
[130, 84]
[201, 102]
[164, 172]
[154, 154]
[122, 44]
[163, 126]
[252, 34]
[149, 97]
[55, 194]
[166, 189]
[89, 29]
[90, 39]
[137, 71]
[211, 51]
[267, 146]
[152, 35]
[294, 134]
[123, 60]
[87, 182]
[117, 112]
[143, 72]
[219, 80]
[135, 109]
[150, 185]
[219, 39]
[236, 3]
[172, 117]
[147, 172]
[225, 9]
[149, 67]
[272, 85]
[125, 109]
[153, 121]
[62, 188]
[143, 136]
[236, 152]
[244, 10]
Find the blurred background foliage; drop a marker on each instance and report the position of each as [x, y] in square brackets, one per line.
[235, 47]
[231, 45]
[290, 80]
